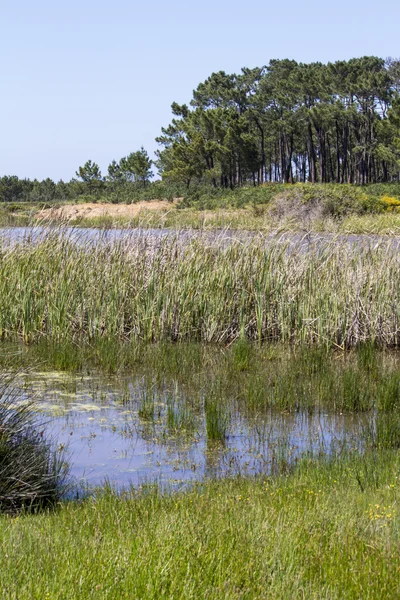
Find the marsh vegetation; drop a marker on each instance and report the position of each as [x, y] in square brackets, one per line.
[228, 399]
[336, 208]
[32, 474]
[225, 403]
[208, 289]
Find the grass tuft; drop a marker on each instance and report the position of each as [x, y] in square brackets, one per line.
[31, 474]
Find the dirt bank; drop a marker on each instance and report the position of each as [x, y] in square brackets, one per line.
[90, 210]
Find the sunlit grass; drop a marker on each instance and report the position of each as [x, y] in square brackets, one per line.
[329, 530]
[253, 377]
[382, 224]
[251, 218]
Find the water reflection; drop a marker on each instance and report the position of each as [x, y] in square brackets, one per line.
[108, 434]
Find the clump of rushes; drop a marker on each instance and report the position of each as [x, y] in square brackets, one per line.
[387, 431]
[180, 415]
[216, 416]
[242, 354]
[207, 289]
[147, 405]
[32, 475]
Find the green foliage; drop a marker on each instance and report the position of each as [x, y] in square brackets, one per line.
[285, 122]
[337, 200]
[328, 530]
[13, 189]
[147, 405]
[89, 173]
[288, 122]
[137, 167]
[114, 172]
[242, 354]
[216, 416]
[276, 376]
[180, 415]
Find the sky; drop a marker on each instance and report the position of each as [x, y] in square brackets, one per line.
[95, 80]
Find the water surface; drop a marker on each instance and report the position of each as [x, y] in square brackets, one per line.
[108, 433]
[303, 241]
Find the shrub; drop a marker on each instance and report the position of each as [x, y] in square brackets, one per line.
[390, 204]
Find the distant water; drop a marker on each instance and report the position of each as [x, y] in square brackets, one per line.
[13, 235]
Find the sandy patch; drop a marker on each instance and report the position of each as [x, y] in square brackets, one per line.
[91, 210]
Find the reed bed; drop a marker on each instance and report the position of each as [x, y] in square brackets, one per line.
[209, 288]
[253, 218]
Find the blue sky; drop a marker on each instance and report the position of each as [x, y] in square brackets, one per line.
[94, 79]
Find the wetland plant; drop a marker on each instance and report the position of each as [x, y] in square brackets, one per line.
[387, 431]
[180, 417]
[242, 352]
[147, 404]
[389, 393]
[32, 475]
[382, 431]
[212, 290]
[353, 393]
[216, 416]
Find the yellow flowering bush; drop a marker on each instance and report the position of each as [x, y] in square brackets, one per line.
[390, 203]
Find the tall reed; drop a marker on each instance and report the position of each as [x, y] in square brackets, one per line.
[208, 289]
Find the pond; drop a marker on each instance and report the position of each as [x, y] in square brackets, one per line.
[108, 434]
[187, 413]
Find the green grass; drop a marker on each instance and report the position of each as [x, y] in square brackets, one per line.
[325, 528]
[326, 531]
[193, 389]
[199, 290]
[216, 416]
[17, 214]
[186, 218]
[382, 224]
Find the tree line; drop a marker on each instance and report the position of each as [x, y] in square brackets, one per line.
[131, 173]
[284, 122]
[289, 122]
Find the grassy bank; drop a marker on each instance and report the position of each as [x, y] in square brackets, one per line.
[254, 218]
[201, 290]
[318, 207]
[329, 530]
